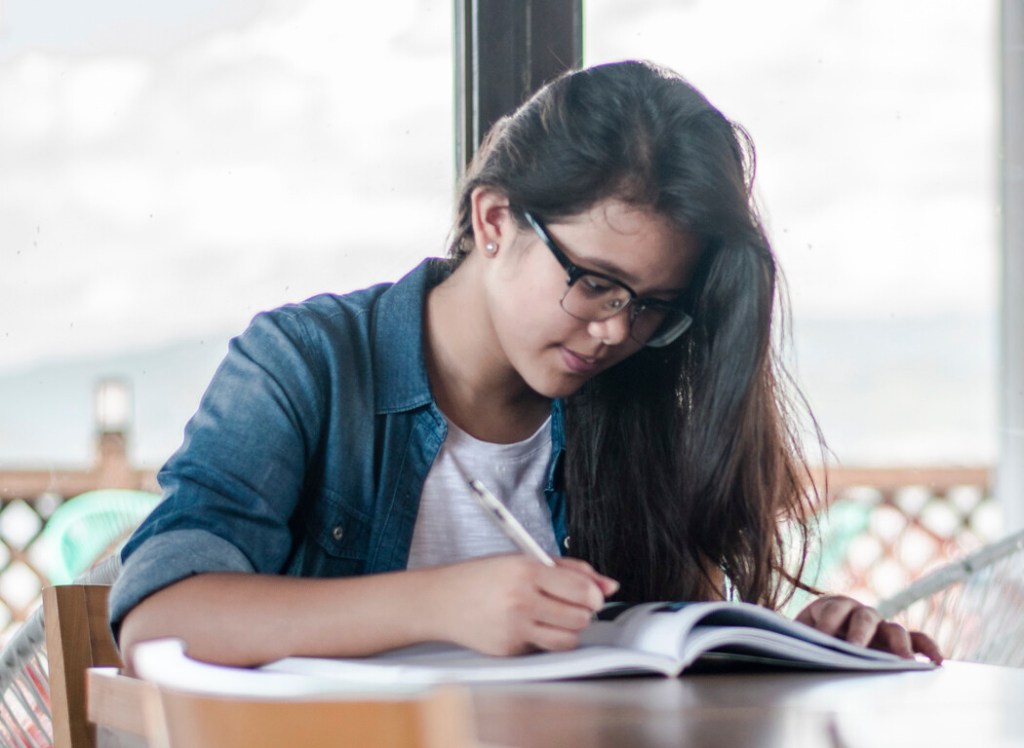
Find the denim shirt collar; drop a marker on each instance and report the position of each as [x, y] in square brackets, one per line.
[555, 480]
[398, 343]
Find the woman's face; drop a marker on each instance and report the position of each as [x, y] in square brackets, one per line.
[551, 350]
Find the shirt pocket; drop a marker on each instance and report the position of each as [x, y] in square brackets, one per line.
[339, 540]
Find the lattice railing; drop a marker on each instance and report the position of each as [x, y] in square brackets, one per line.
[28, 498]
[21, 575]
[888, 527]
[47, 540]
[893, 525]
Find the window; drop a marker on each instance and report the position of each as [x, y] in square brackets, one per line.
[876, 132]
[171, 169]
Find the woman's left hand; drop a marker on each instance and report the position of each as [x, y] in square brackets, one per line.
[848, 619]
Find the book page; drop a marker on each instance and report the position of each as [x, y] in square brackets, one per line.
[164, 662]
[742, 616]
[686, 630]
[434, 663]
[655, 628]
[765, 646]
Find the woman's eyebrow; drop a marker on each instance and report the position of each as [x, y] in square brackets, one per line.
[607, 267]
[610, 268]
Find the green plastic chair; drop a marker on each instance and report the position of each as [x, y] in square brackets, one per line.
[88, 527]
[81, 541]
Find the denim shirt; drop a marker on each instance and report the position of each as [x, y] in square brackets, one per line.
[309, 450]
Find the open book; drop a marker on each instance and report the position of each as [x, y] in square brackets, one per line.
[665, 638]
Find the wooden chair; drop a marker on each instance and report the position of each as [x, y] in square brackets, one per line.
[440, 718]
[91, 698]
[77, 638]
[192, 704]
[80, 540]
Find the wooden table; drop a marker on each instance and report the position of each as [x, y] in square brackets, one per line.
[963, 705]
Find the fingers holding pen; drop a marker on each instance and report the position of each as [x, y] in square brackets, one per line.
[570, 593]
[511, 604]
[584, 586]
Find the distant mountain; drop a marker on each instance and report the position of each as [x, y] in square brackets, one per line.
[902, 390]
[895, 391]
[46, 411]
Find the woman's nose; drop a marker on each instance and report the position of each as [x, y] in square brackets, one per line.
[611, 331]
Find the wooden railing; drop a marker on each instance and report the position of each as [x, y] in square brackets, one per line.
[29, 497]
[885, 527]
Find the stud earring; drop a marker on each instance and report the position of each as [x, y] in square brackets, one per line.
[490, 248]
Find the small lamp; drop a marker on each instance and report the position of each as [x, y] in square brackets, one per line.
[113, 406]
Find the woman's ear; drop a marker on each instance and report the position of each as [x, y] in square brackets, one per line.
[493, 224]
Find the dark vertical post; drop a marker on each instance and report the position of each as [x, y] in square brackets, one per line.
[504, 51]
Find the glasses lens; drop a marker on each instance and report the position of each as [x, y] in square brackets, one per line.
[593, 298]
[664, 328]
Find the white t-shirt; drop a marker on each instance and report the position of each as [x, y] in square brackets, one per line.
[451, 527]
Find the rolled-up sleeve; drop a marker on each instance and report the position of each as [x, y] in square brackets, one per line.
[231, 490]
[165, 559]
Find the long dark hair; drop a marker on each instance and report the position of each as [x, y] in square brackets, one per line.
[682, 462]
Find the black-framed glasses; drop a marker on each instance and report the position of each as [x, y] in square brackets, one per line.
[593, 296]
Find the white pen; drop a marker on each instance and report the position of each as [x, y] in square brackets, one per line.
[507, 523]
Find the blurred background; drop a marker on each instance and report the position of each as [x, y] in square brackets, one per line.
[169, 170]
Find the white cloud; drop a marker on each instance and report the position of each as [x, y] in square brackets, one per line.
[100, 95]
[874, 124]
[47, 98]
[151, 197]
[151, 193]
[29, 97]
[317, 135]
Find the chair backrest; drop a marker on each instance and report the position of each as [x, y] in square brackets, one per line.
[439, 718]
[88, 527]
[25, 686]
[78, 637]
[973, 607]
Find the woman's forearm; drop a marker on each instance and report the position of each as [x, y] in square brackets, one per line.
[500, 605]
[248, 619]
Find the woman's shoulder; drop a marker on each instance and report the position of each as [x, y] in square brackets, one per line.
[318, 329]
[403, 298]
[327, 332]
[325, 307]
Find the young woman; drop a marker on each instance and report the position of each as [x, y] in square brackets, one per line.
[597, 349]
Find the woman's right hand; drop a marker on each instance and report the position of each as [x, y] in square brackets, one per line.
[499, 605]
[512, 604]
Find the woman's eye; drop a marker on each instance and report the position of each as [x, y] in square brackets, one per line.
[594, 285]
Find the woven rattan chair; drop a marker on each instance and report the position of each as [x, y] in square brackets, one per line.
[973, 607]
[42, 669]
[83, 530]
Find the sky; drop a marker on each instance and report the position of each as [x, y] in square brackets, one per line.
[160, 191]
[875, 124]
[169, 169]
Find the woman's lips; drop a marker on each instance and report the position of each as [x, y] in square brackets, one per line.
[579, 364]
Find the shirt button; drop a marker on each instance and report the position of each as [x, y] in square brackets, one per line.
[338, 532]
[565, 542]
